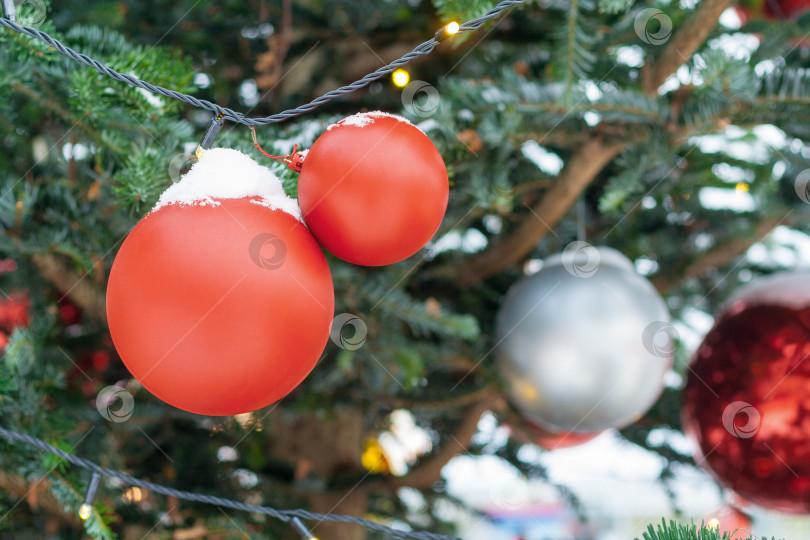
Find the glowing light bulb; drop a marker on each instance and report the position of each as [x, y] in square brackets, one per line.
[133, 495]
[452, 28]
[401, 78]
[85, 510]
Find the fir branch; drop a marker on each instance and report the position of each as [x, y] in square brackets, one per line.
[717, 257]
[583, 167]
[83, 292]
[577, 39]
[36, 497]
[686, 41]
[426, 473]
[679, 531]
[416, 315]
[614, 6]
[462, 9]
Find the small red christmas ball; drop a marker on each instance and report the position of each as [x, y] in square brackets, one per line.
[556, 440]
[224, 305]
[373, 189]
[746, 399]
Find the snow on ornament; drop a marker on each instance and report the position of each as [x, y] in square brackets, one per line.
[220, 301]
[373, 189]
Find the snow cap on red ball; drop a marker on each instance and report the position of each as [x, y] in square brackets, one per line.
[203, 184]
[365, 118]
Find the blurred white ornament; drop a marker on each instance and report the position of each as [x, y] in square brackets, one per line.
[584, 344]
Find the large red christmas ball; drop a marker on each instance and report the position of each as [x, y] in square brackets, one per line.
[222, 306]
[747, 397]
[373, 189]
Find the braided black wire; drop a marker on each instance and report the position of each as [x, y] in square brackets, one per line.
[235, 116]
[283, 515]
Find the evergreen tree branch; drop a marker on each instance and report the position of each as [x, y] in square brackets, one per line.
[37, 497]
[85, 294]
[683, 44]
[586, 163]
[717, 257]
[427, 473]
[464, 400]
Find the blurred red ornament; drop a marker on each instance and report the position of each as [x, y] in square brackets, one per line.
[732, 520]
[7, 265]
[747, 397]
[69, 313]
[784, 9]
[88, 365]
[100, 360]
[90, 387]
[551, 440]
[373, 189]
[774, 10]
[220, 309]
[14, 311]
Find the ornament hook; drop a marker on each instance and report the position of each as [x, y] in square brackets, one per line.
[294, 161]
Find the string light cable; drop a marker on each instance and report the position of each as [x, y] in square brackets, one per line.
[293, 517]
[224, 113]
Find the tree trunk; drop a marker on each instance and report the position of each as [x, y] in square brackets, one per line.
[325, 447]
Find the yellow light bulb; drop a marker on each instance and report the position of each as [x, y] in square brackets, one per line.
[400, 78]
[452, 28]
[85, 510]
[133, 495]
[373, 458]
[713, 523]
